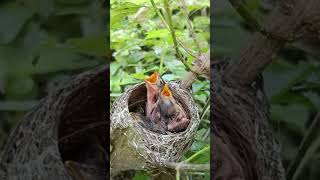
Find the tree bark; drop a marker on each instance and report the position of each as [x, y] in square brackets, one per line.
[289, 21]
[244, 146]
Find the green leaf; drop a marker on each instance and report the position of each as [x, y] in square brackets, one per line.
[141, 175]
[128, 80]
[201, 22]
[58, 59]
[200, 134]
[12, 18]
[170, 77]
[252, 4]
[308, 86]
[161, 33]
[140, 75]
[20, 88]
[95, 45]
[201, 156]
[197, 86]
[291, 98]
[282, 76]
[201, 97]
[117, 14]
[115, 84]
[197, 145]
[114, 66]
[294, 115]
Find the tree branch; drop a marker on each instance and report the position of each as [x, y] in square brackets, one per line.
[201, 67]
[289, 21]
[244, 12]
[189, 167]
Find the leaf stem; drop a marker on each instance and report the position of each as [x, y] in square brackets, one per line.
[205, 108]
[173, 34]
[307, 140]
[244, 12]
[197, 153]
[161, 64]
[175, 40]
[191, 30]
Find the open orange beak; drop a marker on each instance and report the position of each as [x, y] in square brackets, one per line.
[153, 78]
[166, 91]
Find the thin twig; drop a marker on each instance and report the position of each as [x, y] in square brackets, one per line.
[173, 34]
[206, 135]
[244, 12]
[189, 51]
[175, 39]
[189, 167]
[185, 166]
[205, 109]
[161, 64]
[178, 174]
[167, 26]
[159, 14]
[197, 153]
[307, 140]
[304, 162]
[191, 30]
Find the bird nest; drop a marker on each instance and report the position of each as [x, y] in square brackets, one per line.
[67, 125]
[154, 148]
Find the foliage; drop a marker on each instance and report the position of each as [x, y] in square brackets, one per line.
[42, 43]
[141, 44]
[292, 81]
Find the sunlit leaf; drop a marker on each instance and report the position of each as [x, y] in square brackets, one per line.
[117, 14]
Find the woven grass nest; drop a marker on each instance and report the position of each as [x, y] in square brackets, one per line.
[135, 147]
[67, 125]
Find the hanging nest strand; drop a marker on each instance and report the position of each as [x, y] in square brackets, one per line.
[137, 148]
[68, 125]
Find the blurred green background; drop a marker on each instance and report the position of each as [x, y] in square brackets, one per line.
[43, 43]
[292, 81]
[141, 44]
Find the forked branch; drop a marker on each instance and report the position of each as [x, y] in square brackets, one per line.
[289, 21]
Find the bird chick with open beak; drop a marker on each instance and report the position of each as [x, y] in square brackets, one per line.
[153, 84]
[171, 111]
[153, 120]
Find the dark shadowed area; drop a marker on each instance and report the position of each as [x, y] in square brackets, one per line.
[291, 81]
[42, 44]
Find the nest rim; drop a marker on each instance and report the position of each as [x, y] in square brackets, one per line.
[141, 87]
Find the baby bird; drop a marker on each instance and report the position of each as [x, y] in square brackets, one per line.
[153, 120]
[153, 84]
[171, 112]
[163, 112]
